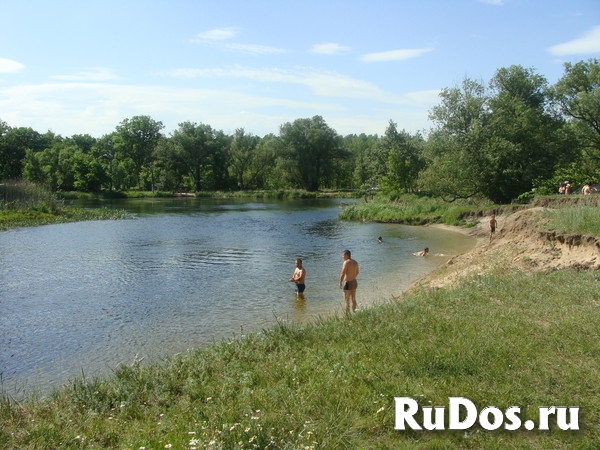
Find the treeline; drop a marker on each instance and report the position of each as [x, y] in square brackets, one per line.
[504, 140]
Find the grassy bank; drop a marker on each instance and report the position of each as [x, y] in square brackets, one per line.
[576, 219]
[503, 340]
[575, 213]
[273, 194]
[415, 210]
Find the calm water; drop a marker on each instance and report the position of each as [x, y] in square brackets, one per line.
[84, 297]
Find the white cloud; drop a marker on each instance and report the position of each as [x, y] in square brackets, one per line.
[216, 36]
[92, 74]
[321, 83]
[255, 49]
[10, 66]
[219, 34]
[329, 48]
[586, 44]
[97, 108]
[493, 2]
[395, 55]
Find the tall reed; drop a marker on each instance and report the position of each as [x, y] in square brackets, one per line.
[20, 195]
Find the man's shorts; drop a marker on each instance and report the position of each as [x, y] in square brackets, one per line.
[350, 285]
[300, 288]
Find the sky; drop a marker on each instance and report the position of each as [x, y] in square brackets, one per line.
[84, 66]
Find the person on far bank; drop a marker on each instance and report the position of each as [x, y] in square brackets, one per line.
[588, 189]
[348, 281]
[493, 225]
[298, 277]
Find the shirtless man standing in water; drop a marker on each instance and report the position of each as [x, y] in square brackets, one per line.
[298, 277]
[348, 280]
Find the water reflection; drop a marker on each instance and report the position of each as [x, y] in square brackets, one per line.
[325, 228]
[88, 296]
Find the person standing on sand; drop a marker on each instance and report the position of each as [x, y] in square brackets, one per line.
[348, 281]
[493, 225]
[298, 277]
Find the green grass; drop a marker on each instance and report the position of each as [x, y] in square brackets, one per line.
[26, 218]
[415, 210]
[578, 219]
[503, 340]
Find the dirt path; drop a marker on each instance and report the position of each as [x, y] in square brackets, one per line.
[520, 242]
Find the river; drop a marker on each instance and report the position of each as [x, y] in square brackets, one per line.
[81, 298]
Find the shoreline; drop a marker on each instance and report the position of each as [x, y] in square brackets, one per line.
[477, 232]
[521, 242]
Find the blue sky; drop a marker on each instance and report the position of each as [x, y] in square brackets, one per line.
[82, 66]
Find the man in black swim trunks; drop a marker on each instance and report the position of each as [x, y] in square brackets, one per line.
[348, 281]
[298, 277]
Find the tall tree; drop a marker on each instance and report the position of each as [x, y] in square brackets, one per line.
[526, 141]
[368, 160]
[140, 136]
[248, 160]
[13, 144]
[403, 159]
[455, 160]
[310, 147]
[201, 151]
[578, 95]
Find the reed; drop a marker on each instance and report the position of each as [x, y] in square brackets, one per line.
[20, 195]
[26, 204]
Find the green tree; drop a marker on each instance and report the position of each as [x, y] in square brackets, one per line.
[171, 169]
[276, 175]
[140, 136]
[13, 144]
[248, 160]
[83, 142]
[310, 147]
[105, 151]
[368, 160]
[526, 141]
[577, 95]
[450, 173]
[200, 151]
[500, 145]
[403, 159]
[42, 167]
[454, 153]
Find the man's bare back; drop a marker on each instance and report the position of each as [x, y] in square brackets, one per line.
[348, 281]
